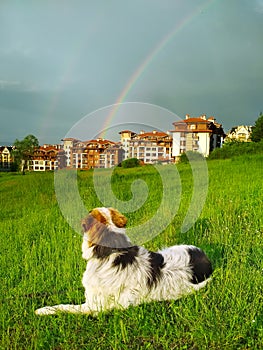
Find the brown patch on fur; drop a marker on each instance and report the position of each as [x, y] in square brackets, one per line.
[99, 216]
[93, 227]
[117, 218]
[94, 221]
[98, 233]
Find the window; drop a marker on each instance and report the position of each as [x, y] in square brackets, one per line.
[183, 143]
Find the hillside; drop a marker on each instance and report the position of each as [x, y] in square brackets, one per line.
[42, 265]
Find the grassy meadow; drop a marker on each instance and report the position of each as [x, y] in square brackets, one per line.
[41, 264]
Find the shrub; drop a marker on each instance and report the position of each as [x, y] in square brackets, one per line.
[130, 163]
[235, 148]
[14, 167]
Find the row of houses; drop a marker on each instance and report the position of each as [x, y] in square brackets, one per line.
[200, 134]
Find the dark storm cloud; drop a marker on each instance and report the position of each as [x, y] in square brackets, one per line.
[59, 62]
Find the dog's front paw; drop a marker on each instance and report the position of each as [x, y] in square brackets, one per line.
[47, 310]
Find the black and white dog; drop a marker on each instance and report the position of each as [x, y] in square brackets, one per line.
[119, 274]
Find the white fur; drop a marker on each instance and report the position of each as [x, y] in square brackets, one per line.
[108, 286]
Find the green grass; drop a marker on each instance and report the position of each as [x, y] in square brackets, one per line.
[41, 265]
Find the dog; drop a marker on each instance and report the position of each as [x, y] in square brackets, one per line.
[120, 274]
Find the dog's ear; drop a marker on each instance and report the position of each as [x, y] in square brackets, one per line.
[117, 218]
[99, 216]
[94, 216]
[93, 228]
[99, 233]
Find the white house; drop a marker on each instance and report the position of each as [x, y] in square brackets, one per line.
[240, 133]
[196, 134]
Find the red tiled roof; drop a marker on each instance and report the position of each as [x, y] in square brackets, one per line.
[197, 120]
[127, 132]
[49, 148]
[100, 141]
[156, 133]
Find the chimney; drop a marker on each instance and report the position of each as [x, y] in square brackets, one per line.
[187, 116]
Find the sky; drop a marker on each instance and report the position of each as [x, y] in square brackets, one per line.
[62, 62]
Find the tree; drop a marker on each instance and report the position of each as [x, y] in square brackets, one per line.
[257, 130]
[24, 149]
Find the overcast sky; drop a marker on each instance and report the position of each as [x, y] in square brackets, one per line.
[62, 60]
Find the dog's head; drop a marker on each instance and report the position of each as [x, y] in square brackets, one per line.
[105, 227]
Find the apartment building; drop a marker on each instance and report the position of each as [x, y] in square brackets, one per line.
[126, 136]
[112, 156]
[47, 157]
[239, 133]
[68, 144]
[149, 147]
[99, 153]
[198, 134]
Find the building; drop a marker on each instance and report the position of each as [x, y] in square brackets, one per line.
[239, 133]
[6, 159]
[46, 158]
[78, 156]
[99, 153]
[149, 147]
[67, 145]
[112, 156]
[126, 136]
[196, 134]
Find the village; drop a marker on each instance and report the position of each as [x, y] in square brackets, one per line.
[201, 134]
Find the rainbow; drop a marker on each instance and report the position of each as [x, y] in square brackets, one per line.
[150, 57]
[134, 77]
